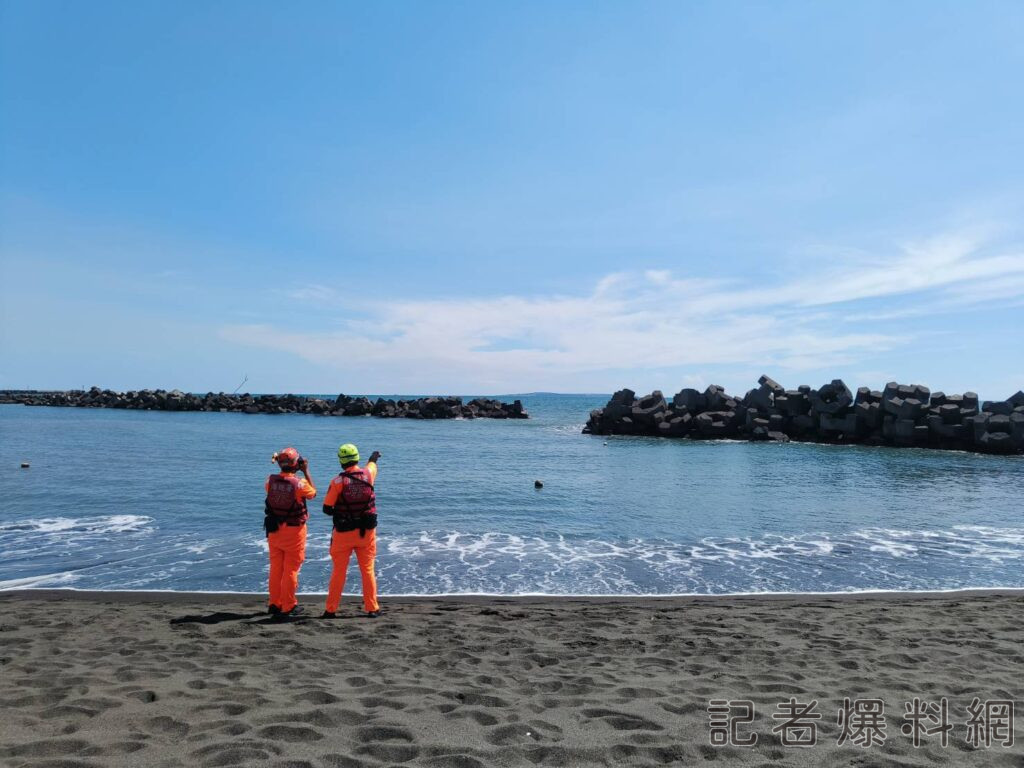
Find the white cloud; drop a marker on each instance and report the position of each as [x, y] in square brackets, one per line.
[314, 293]
[649, 320]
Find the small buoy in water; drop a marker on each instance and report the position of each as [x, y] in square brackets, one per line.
[605, 442]
[538, 484]
[24, 465]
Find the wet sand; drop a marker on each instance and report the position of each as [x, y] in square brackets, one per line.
[178, 679]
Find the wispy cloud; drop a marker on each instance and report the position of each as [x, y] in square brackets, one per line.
[314, 293]
[655, 319]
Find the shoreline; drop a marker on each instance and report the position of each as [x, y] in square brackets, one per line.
[473, 598]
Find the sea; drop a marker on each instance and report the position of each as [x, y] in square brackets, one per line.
[130, 500]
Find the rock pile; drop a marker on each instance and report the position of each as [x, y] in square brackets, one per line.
[343, 405]
[901, 415]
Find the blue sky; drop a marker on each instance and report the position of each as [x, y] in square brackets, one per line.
[508, 197]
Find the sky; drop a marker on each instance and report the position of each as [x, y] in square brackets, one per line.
[485, 198]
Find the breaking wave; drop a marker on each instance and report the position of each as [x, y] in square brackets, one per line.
[88, 525]
[869, 558]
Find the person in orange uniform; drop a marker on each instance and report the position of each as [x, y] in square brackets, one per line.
[352, 502]
[285, 524]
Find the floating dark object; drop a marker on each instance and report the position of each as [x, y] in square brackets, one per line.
[24, 465]
[538, 484]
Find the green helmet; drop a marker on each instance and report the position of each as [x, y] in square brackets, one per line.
[348, 453]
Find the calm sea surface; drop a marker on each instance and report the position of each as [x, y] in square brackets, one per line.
[142, 500]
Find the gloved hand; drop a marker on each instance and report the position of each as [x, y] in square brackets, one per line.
[375, 457]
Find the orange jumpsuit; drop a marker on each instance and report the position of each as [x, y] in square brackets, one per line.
[343, 544]
[287, 546]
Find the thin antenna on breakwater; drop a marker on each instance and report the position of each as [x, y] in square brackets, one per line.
[241, 385]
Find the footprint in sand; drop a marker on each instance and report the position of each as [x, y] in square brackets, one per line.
[340, 761]
[47, 748]
[113, 749]
[169, 725]
[453, 761]
[293, 733]
[377, 733]
[520, 733]
[333, 717]
[477, 699]
[389, 753]
[318, 697]
[371, 702]
[621, 721]
[480, 718]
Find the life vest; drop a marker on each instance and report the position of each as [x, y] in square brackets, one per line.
[356, 505]
[283, 500]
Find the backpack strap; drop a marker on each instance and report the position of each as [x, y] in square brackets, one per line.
[358, 478]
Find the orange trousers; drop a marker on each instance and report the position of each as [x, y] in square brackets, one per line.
[343, 544]
[287, 551]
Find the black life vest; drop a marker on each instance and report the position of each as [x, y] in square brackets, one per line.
[356, 505]
[282, 500]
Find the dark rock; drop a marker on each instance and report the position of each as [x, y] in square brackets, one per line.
[624, 397]
[689, 400]
[802, 424]
[795, 402]
[846, 425]
[1017, 429]
[715, 398]
[1002, 408]
[834, 398]
[979, 425]
[911, 409]
[646, 410]
[900, 414]
[176, 400]
[997, 442]
[869, 415]
[999, 423]
[949, 413]
[717, 423]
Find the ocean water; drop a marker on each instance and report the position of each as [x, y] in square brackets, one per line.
[142, 500]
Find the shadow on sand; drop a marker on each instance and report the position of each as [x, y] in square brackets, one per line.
[220, 617]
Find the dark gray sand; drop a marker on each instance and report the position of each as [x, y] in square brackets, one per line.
[135, 679]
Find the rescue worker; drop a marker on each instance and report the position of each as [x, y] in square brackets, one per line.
[285, 524]
[352, 502]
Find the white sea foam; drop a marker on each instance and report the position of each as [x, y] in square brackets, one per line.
[498, 562]
[460, 562]
[105, 524]
[46, 580]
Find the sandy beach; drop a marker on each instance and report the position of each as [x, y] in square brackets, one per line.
[178, 679]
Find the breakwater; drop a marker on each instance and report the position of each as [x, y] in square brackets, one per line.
[342, 405]
[899, 415]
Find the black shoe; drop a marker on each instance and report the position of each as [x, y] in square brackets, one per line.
[298, 610]
[372, 614]
[328, 615]
[274, 610]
